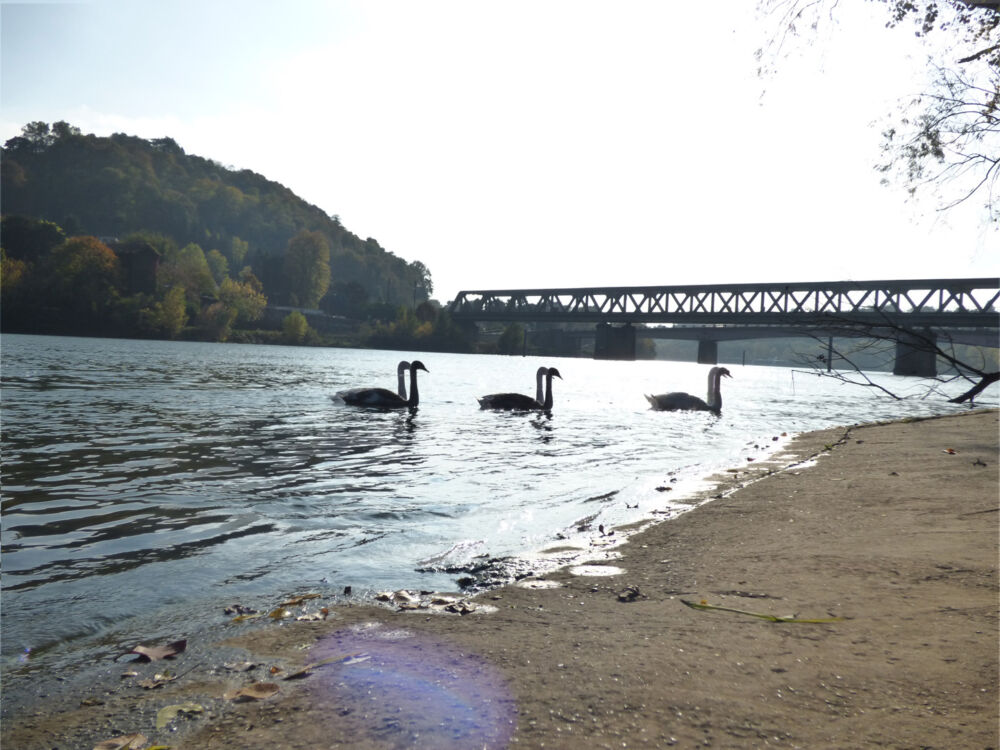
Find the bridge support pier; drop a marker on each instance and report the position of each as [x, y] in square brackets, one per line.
[614, 343]
[915, 355]
[708, 352]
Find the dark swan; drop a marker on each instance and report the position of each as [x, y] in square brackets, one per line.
[687, 402]
[401, 369]
[383, 398]
[519, 402]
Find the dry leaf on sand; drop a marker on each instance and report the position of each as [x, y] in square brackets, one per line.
[255, 692]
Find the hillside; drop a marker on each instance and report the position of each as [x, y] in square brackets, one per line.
[120, 185]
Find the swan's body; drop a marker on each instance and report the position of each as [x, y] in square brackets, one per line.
[520, 402]
[383, 398]
[686, 402]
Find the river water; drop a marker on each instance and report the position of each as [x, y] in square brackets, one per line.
[147, 483]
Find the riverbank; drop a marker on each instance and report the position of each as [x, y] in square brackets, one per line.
[891, 537]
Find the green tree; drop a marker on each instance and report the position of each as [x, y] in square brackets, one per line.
[29, 239]
[218, 265]
[294, 327]
[307, 268]
[189, 269]
[423, 283]
[238, 250]
[511, 341]
[170, 315]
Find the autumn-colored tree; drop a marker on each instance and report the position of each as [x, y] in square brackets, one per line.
[12, 272]
[83, 275]
[244, 298]
[307, 268]
[217, 320]
[169, 316]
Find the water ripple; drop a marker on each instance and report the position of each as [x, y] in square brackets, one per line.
[143, 476]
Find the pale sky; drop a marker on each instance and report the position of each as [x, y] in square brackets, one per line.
[523, 143]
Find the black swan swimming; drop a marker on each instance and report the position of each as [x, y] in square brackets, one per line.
[686, 402]
[383, 398]
[519, 402]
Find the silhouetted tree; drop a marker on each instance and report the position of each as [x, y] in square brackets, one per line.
[949, 135]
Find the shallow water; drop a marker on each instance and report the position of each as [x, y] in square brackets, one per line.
[145, 483]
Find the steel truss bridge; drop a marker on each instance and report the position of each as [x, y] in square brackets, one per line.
[964, 308]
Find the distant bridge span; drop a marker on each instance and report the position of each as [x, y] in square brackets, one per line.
[969, 306]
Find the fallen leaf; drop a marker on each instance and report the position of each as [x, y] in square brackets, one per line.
[125, 742]
[950, 451]
[159, 679]
[241, 618]
[280, 613]
[297, 600]
[255, 692]
[168, 713]
[155, 653]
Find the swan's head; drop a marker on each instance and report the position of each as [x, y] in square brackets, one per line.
[554, 373]
[724, 373]
[404, 365]
[418, 365]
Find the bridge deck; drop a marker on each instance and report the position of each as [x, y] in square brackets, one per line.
[921, 302]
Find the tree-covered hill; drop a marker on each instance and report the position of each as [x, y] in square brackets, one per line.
[122, 185]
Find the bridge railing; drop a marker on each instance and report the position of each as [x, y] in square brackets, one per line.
[955, 302]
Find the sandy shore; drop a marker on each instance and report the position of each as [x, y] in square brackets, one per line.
[891, 536]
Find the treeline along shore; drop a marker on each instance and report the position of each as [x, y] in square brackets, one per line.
[842, 596]
[128, 237]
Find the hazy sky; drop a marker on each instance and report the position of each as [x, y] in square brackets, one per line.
[541, 143]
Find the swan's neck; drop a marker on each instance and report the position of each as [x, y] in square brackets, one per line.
[548, 392]
[414, 398]
[401, 382]
[538, 384]
[714, 392]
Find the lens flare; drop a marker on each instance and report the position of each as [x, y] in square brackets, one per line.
[410, 690]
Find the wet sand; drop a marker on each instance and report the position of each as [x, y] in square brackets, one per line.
[890, 538]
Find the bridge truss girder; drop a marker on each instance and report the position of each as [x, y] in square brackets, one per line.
[911, 303]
